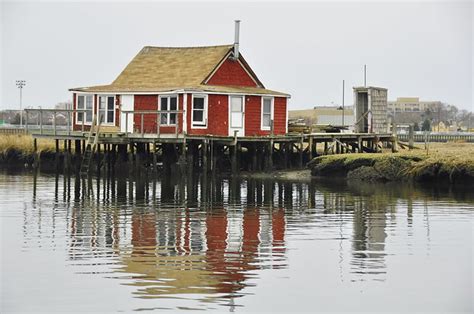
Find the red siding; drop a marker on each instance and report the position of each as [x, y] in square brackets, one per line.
[231, 73]
[150, 102]
[145, 102]
[217, 117]
[279, 115]
[253, 116]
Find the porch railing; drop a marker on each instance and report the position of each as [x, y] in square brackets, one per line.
[69, 114]
[157, 113]
[40, 114]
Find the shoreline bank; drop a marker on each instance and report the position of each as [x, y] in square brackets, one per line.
[417, 167]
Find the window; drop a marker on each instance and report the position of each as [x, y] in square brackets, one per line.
[168, 103]
[236, 112]
[84, 102]
[199, 110]
[267, 113]
[106, 109]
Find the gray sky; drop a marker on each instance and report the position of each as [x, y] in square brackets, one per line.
[420, 49]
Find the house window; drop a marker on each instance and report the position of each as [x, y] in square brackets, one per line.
[106, 109]
[199, 110]
[84, 102]
[267, 113]
[167, 104]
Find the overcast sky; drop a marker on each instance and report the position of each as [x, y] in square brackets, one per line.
[419, 49]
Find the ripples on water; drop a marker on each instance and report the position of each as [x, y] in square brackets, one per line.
[232, 244]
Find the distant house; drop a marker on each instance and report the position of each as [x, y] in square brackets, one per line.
[197, 90]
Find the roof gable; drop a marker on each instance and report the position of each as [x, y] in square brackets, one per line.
[231, 72]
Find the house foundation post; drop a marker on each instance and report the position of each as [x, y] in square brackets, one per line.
[310, 147]
[253, 152]
[270, 155]
[56, 154]
[234, 158]
[77, 152]
[204, 152]
[69, 154]
[131, 153]
[300, 160]
[154, 159]
[98, 160]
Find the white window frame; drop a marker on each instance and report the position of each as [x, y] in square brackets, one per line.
[106, 109]
[84, 113]
[169, 105]
[202, 124]
[272, 106]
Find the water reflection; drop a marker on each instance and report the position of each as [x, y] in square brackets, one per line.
[209, 238]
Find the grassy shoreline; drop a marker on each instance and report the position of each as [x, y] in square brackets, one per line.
[443, 162]
[18, 148]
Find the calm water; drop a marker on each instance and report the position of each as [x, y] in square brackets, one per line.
[232, 245]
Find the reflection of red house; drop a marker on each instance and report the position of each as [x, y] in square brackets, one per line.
[200, 90]
[227, 269]
[143, 233]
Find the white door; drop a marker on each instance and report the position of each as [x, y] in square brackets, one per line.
[127, 102]
[236, 115]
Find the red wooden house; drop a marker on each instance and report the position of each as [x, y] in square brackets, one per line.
[199, 91]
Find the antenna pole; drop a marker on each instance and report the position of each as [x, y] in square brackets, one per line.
[365, 75]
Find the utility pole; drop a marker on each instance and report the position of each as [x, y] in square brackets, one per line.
[20, 84]
[342, 103]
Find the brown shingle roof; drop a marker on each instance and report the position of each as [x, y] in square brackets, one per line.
[159, 69]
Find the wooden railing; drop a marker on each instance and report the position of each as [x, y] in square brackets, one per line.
[157, 113]
[39, 113]
[69, 114]
[438, 137]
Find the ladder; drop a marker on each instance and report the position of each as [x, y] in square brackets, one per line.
[91, 147]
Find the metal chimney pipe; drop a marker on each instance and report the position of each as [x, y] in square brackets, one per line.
[236, 39]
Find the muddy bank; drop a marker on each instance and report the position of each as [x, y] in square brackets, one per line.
[302, 175]
[395, 167]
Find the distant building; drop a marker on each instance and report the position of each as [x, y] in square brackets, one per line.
[370, 109]
[324, 115]
[411, 104]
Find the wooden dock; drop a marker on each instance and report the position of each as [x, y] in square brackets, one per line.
[207, 152]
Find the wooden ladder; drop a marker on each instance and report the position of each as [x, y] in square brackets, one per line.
[91, 147]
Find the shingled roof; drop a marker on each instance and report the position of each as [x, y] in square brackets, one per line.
[161, 69]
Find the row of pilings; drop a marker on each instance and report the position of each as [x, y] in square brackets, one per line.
[188, 155]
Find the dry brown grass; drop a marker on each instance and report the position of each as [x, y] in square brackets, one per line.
[23, 144]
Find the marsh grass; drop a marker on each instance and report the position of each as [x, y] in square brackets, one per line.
[22, 145]
[453, 162]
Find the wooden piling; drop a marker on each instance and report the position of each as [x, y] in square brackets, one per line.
[411, 137]
[154, 158]
[56, 154]
[204, 152]
[270, 155]
[300, 152]
[36, 157]
[310, 148]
